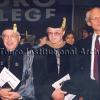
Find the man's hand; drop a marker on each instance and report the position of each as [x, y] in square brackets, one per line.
[13, 96]
[58, 94]
[4, 92]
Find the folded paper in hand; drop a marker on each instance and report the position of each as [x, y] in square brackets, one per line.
[69, 97]
[60, 82]
[7, 77]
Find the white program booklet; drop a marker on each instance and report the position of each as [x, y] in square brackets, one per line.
[59, 83]
[69, 97]
[7, 77]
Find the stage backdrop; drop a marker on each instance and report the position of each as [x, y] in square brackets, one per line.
[34, 15]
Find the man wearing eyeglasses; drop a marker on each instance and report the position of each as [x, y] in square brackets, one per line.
[10, 39]
[11, 57]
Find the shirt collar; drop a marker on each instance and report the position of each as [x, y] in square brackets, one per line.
[95, 35]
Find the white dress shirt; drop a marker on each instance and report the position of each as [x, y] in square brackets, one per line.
[92, 55]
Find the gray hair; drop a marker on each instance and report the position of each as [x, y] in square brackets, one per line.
[87, 16]
[89, 12]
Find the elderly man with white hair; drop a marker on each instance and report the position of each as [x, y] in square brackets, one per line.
[12, 58]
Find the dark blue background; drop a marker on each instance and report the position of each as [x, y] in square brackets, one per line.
[63, 8]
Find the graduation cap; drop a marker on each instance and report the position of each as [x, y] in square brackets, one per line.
[57, 23]
[14, 29]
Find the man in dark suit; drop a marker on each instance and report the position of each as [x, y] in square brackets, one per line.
[87, 82]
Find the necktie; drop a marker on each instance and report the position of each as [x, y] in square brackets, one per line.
[96, 55]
